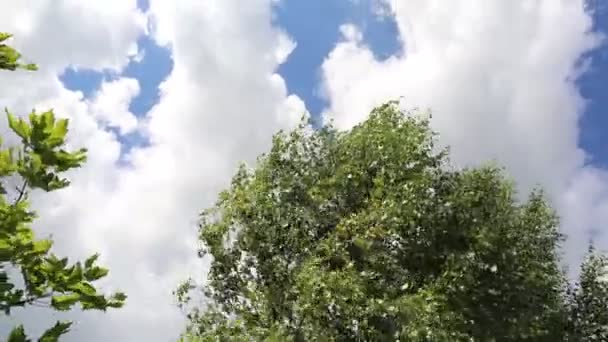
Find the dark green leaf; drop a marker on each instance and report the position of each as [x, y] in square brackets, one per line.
[18, 335]
[53, 334]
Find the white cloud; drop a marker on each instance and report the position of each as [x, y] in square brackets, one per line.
[220, 105]
[286, 47]
[87, 34]
[498, 76]
[351, 33]
[111, 104]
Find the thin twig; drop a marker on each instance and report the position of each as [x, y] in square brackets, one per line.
[32, 300]
[21, 192]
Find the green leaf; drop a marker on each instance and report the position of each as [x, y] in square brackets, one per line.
[65, 302]
[117, 300]
[42, 246]
[4, 36]
[61, 128]
[5, 286]
[84, 288]
[19, 126]
[95, 273]
[53, 334]
[18, 335]
[119, 296]
[91, 260]
[75, 275]
[5, 244]
[57, 136]
[48, 119]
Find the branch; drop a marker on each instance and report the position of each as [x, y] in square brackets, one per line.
[21, 192]
[31, 300]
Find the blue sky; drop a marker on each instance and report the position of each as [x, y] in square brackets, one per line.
[594, 87]
[316, 38]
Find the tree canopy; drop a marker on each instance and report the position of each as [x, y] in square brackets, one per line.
[370, 235]
[30, 274]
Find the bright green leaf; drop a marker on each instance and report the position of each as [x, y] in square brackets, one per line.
[42, 246]
[65, 302]
[18, 126]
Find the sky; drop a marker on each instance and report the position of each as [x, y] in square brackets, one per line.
[169, 96]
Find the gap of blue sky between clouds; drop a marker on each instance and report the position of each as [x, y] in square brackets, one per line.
[150, 71]
[315, 26]
[593, 85]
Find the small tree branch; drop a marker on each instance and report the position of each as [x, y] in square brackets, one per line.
[32, 300]
[21, 192]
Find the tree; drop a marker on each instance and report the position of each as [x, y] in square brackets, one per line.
[38, 164]
[371, 235]
[589, 300]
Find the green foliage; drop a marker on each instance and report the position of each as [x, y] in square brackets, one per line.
[17, 335]
[9, 57]
[53, 334]
[589, 300]
[37, 164]
[369, 235]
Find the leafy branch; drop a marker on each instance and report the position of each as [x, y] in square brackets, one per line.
[39, 162]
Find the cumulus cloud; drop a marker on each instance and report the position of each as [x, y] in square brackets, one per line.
[111, 104]
[220, 105]
[499, 77]
[86, 34]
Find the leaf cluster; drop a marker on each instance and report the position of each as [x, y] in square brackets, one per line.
[9, 57]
